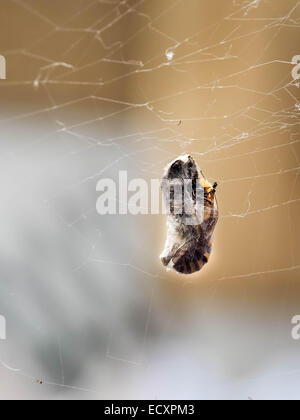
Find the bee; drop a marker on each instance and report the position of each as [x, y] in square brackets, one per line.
[191, 220]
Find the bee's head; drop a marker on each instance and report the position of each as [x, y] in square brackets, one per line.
[181, 187]
[184, 167]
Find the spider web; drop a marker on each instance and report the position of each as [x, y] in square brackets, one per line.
[95, 87]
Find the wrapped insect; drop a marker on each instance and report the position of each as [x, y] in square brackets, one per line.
[192, 216]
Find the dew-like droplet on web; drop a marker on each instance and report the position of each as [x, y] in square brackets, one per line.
[170, 55]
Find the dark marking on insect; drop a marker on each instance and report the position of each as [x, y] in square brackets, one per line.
[189, 245]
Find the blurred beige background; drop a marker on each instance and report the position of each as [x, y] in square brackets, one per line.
[95, 87]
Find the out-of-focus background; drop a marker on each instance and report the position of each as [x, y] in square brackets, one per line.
[98, 86]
